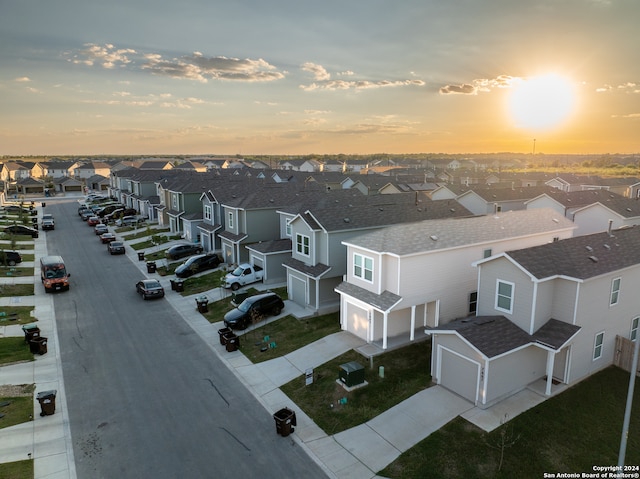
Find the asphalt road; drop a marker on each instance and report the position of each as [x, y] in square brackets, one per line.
[146, 396]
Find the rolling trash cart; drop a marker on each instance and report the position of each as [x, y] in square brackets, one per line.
[47, 400]
[38, 345]
[285, 420]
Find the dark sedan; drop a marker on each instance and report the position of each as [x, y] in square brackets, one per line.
[149, 288]
[116, 247]
[182, 250]
[196, 264]
[21, 230]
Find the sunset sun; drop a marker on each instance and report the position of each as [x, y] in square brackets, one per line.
[542, 102]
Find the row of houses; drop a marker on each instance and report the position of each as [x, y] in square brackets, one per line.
[512, 285]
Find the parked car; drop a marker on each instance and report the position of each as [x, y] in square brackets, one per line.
[48, 224]
[101, 229]
[85, 215]
[120, 212]
[107, 237]
[150, 288]
[21, 230]
[182, 250]
[253, 309]
[129, 221]
[198, 263]
[116, 247]
[10, 258]
[93, 220]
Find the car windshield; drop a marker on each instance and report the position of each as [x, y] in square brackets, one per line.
[153, 284]
[55, 271]
[238, 271]
[245, 305]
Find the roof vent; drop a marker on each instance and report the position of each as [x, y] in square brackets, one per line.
[555, 220]
[606, 246]
[589, 248]
[593, 258]
[434, 237]
[347, 220]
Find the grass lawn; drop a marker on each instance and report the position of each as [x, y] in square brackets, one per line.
[406, 372]
[571, 432]
[288, 334]
[145, 232]
[17, 470]
[16, 271]
[200, 284]
[16, 290]
[16, 315]
[14, 349]
[150, 244]
[16, 403]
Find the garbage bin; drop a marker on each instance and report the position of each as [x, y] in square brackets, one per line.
[47, 400]
[173, 285]
[232, 342]
[44, 204]
[151, 267]
[141, 256]
[30, 331]
[222, 332]
[38, 345]
[202, 304]
[285, 420]
[179, 286]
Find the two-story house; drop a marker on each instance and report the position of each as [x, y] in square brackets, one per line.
[319, 257]
[547, 315]
[406, 277]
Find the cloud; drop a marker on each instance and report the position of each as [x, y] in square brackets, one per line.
[195, 67]
[334, 85]
[318, 71]
[628, 87]
[23, 79]
[479, 85]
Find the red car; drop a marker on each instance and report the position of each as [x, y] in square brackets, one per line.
[107, 238]
[92, 221]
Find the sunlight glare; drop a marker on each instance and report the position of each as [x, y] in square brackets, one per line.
[541, 102]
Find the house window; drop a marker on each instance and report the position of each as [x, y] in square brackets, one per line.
[597, 346]
[473, 302]
[615, 292]
[363, 267]
[634, 329]
[207, 212]
[302, 244]
[230, 220]
[288, 228]
[486, 253]
[174, 201]
[504, 296]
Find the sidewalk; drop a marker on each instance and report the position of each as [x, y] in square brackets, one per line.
[358, 452]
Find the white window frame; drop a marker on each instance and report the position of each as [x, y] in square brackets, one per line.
[498, 296]
[362, 267]
[287, 228]
[303, 242]
[633, 334]
[174, 201]
[598, 346]
[230, 220]
[614, 298]
[487, 253]
[207, 212]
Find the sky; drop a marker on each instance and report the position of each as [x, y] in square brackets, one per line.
[296, 77]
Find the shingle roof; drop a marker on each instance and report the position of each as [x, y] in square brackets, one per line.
[273, 246]
[383, 302]
[440, 234]
[314, 271]
[495, 335]
[582, 257]
[625, 207]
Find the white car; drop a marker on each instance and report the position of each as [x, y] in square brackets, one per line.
[129, 221]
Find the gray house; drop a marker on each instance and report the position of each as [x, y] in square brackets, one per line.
[546, 315]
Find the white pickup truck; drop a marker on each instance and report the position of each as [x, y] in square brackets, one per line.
[245, 273]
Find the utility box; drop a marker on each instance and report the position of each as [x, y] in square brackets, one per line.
[351, 374]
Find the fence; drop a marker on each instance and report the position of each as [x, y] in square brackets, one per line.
[624, 354]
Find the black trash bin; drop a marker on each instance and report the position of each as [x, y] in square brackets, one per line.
[151, 267]
[285, 420]
[30, 331]
[202, 303]
[38, 345]
[232, 342]
[173, 285]
[47, 400]
[179, 286]
[44, 204]
[141, 256]
[222, 332]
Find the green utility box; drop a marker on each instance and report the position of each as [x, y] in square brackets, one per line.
[351, 374]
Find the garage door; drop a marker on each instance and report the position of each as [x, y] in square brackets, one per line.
[357, 321]
[298, 291]
[459, 374]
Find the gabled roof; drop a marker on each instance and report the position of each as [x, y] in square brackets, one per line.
[491, 194]
[625, 207]
[438, 234]
[383, 302]
[273, 246]
[496, 335]
[582, 257]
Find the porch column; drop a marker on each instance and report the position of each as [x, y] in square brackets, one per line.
[317, 281]
[384, 329]
[551, 356]
[413, 323]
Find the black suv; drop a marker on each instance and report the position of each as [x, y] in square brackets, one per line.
[195, 264]
[253, 309]
[181, 250]
[10, 258]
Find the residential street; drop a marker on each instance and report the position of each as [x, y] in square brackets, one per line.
[146, 396]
